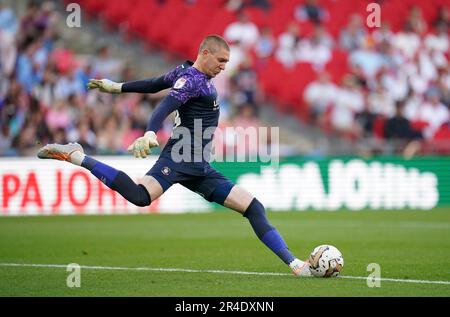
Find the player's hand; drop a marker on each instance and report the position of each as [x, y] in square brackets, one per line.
[141, 146]
[105, 85]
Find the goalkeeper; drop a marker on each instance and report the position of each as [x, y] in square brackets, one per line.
[192, 97]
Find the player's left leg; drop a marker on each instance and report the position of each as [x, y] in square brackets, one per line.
[217, 188]
[138, 194]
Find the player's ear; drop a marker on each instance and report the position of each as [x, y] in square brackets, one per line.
[205, 52]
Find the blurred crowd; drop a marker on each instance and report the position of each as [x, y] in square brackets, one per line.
[43, 95]
[44, 99]
[396, 84]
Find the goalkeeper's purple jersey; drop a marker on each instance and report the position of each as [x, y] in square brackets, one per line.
[195, 120]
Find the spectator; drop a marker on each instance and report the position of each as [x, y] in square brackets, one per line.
[443, 84]
[40, 56]
[25, 141]
[383, 34]
[239, 5]
[242, 30]
[58, 116]
[321, 35]
[437, 45]
[366, 121]
[414, 70]
[245, 119]
[349, 102]
[287, 45]
[398, 130]
[265, 45]
[395, 83]
[28, 29]
[245, 89]
[433, 112]
[45, 91]
[59, 136]
[46, 17]
[312, 11]
[234, 5]
[353, 35]
[412, 103]
[8, 20]
[368, 59]
[8, 54]
[5, 140]
[416, 20]
[27, 71]
[381, 103]
[69, 84]
[443, 19]
[399, 127]
[427, 68]
[238, 52]
[261, 4]
[104, 66]
[84, 136]
[315, 50]
[407, 41]
[319, 95]
[110, 137]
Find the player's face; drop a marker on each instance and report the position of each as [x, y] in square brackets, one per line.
[215, 62]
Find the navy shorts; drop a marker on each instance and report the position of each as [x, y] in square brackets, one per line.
[212, 186]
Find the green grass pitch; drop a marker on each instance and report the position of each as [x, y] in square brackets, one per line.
[408, 245]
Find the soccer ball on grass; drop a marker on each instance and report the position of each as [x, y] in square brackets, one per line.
[326, 261]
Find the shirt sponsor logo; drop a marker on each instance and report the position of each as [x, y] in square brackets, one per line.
[179, 83]
[165, 170]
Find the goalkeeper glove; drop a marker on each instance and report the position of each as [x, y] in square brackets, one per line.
[141, 146]
[105, 85]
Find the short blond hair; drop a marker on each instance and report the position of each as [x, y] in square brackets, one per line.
[213, 43]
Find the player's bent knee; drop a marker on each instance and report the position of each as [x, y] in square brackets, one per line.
[142, 197]
[152, 186]
[239, 199]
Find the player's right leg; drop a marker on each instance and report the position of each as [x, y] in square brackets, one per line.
[139, 194]
[242, 201]
[217, 188]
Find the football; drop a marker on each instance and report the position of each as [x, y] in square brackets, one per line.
[326, 261]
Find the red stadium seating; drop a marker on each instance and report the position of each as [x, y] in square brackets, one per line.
[117, 11]
[178, 27]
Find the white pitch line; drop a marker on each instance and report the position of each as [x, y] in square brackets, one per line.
[88, 267]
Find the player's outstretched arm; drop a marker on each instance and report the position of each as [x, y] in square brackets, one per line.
[146, 86]
[105, 85]
[141, 147]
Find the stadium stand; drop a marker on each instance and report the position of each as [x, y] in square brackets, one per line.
[409, 52]
[406, 59]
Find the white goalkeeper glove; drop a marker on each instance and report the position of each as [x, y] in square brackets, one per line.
[105, 85]
[141, 146]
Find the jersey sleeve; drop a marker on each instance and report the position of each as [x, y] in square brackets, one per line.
[184, 88]
[167, 106]
[152, 85]
[172, 75]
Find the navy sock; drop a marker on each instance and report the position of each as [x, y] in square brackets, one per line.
[118, 181]
[266, 232]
